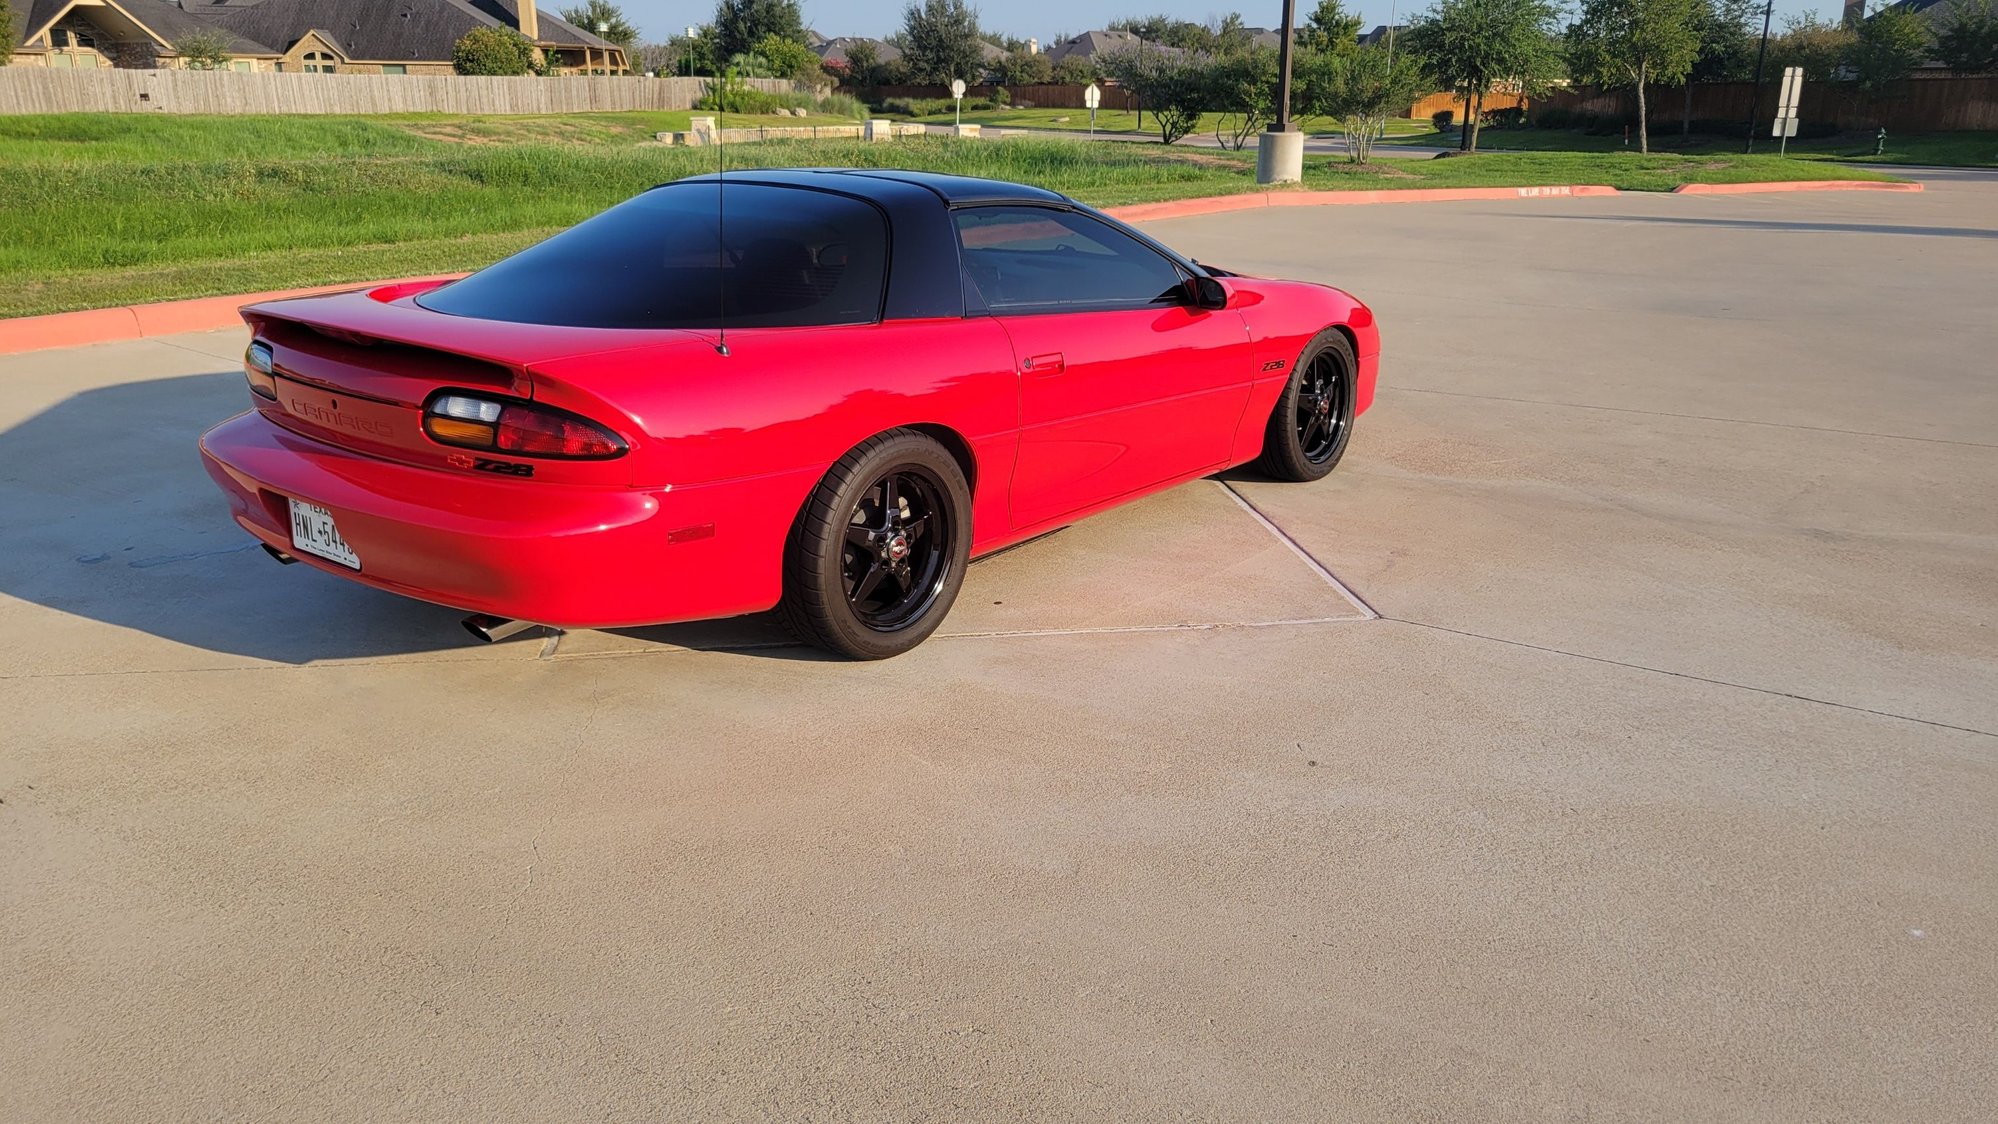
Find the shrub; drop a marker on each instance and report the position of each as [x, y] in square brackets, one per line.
[203, 50]
[916, 107]
[1554, 117]
[1511, 117]
[494, 52]
[1001, 95]
[1442, 118]
[843, 105]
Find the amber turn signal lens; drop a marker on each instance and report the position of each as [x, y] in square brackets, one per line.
[457, 431]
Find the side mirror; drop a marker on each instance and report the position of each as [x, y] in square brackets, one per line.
[1206, 292]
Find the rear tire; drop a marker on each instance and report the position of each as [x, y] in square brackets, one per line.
[878, 553]
[1313, 417]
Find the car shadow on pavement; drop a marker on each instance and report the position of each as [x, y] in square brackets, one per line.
[108, 515]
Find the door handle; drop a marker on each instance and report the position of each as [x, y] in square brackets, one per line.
[1050, 364]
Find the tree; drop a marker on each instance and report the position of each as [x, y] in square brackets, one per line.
[1887, 47]
[1474, 45]
[1174, 85]
[1075, 71]
[1820, 48]
[1018, 68]
[1967, 42]
[943, 41]
[493, 52]
[1168, 31]
[1360, 88]
[1727, 34]
[741, 24]
[203, 50]
[1634, 43]
[788, 58]
[6, 32]
[1242, 87]
[617, 29]
[1330, 29]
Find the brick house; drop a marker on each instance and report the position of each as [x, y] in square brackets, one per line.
[298, 36]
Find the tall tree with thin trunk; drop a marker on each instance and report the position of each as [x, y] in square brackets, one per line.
[1727, 33]
[741, 24]
[942, 42]
[1472, 46]
[1634, 43]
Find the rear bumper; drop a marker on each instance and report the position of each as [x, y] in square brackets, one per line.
[576, 557]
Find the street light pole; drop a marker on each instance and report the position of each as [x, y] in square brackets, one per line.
[1280, 149]
[1755, 102]
[1283, 66]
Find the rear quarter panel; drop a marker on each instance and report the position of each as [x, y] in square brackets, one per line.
[765, 422]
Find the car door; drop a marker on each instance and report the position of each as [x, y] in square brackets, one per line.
[1123, 383]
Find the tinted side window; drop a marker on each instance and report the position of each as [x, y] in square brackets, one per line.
[788, 257]
[1035, 259]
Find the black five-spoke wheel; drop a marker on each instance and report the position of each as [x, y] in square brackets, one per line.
[879, 550]
[896, 549]
[1313, 418]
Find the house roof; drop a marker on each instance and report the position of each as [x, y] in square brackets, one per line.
[1380, 32]
[834, 50]
[163, 18]
[377, 29]
[1094, 44]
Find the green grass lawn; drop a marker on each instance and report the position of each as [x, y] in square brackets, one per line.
[117, 209]
[1951, 149]
[1126, 121]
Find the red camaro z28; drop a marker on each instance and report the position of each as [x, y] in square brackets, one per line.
[821, 391]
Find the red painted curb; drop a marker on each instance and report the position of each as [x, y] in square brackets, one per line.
[139, 321]
[1214, 204]
[1793, 185]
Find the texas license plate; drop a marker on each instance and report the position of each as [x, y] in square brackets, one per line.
[313, 532]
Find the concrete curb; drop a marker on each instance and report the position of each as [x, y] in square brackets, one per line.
[140, 321]
[1214, 204]
[1793, 185]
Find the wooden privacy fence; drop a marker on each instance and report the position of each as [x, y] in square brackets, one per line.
[33, 89]
[1040, 97]
[1916, 105]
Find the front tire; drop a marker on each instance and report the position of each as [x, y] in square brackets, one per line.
[879, 551]
[1313, 418]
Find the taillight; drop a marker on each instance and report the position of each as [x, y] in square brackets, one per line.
[520, 428]
[257, 369]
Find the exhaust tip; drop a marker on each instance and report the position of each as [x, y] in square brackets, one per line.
[280, 555]
[489, 629]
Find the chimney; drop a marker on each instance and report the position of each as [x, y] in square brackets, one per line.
[530, 20]
[1033, 46]
[1855, 13]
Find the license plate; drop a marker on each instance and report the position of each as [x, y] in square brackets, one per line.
[313, 532]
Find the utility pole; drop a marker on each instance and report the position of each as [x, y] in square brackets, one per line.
[1755, 102]
[1283, 66]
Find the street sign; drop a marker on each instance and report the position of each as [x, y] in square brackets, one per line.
[1093, 96]
[1787, 97]
[957, 87]
[1793, 88]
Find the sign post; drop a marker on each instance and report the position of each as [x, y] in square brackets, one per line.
[1092, 97]
[957, 93]
[1787, 97]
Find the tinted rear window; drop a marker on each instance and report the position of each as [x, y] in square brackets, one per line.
[790, 258]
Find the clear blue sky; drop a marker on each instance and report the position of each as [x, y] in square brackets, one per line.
[1043, 19]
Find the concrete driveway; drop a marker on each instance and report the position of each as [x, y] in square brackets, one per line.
[1663, 786]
